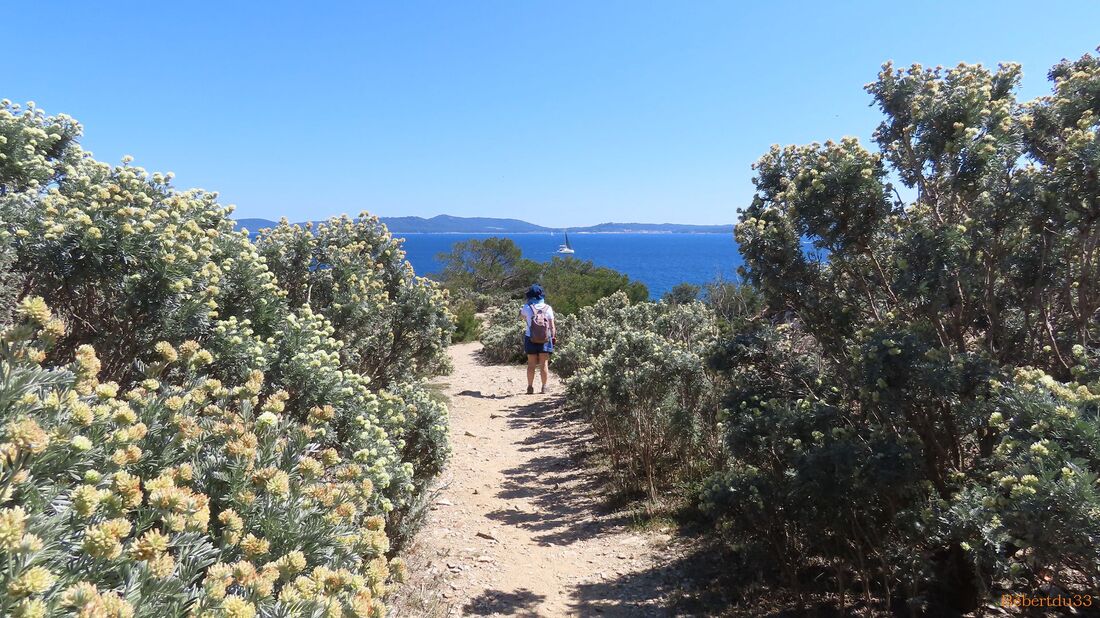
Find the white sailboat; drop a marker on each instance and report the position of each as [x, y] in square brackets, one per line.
[566, 248]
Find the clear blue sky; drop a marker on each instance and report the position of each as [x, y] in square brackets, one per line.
[561, 113]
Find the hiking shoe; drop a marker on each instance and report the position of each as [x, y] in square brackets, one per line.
[530, 390]
[544, 390]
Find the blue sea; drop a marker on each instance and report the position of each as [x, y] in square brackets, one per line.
[658, 260]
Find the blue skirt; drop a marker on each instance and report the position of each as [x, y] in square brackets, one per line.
[537, 348]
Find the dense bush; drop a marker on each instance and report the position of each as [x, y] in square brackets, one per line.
[502, 334]
[8, 282]
[193, 421]
[391, 323]
[638, 371]
[923, 420]
[735, 304]
[467, 323]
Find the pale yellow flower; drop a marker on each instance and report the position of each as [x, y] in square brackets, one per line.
[34, 580]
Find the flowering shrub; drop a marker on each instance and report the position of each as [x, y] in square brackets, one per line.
[919, 411]
[638, 371]
[1040, 499]
[180, 492]
[689, 325]
[191, 422]
[354, 273]
[125, 259]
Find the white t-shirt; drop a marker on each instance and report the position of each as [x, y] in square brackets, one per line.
[528, 312]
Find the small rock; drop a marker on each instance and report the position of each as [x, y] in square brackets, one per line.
[444, 502]
[486, 535]
[484, 559]
[471, 434]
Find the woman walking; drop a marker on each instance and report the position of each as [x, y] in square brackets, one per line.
[538, 338]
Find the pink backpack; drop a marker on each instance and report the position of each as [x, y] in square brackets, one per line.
[540, 325]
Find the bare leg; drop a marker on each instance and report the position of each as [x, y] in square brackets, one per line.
[544, 370]
[532, 363]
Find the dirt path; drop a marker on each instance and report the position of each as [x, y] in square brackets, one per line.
[519, 527]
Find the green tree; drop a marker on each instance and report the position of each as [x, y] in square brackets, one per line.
[571, 284]
[683, 293]
[494, 266]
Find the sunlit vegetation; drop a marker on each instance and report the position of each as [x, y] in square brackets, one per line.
[900, 405]
[192, 422]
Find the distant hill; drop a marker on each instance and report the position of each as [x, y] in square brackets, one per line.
[443, 224]
[255, 225]
[469, 225]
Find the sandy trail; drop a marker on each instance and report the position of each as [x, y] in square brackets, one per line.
[520, 526]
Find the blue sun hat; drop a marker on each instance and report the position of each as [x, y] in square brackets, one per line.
[534, 294]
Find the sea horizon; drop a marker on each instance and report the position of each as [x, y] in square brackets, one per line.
[580, 233]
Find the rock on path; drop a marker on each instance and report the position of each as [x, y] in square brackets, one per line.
[519, 526]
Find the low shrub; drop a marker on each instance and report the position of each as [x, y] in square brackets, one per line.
[502, 335]
[467, 323]
[639, 373]
[8, 279]
[179, 494]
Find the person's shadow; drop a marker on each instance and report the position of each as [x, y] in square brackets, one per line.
[521, 602]
[480, 395]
